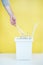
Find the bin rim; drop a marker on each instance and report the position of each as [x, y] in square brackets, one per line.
[23, 39]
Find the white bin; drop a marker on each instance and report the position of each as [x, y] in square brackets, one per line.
[24, 48]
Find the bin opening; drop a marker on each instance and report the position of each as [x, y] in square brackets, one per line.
[23, 38]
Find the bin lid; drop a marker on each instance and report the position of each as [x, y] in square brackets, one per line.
[23, 39]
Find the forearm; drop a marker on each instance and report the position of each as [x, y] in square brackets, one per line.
[7, 6]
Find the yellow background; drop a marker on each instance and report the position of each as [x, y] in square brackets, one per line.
[27, 12]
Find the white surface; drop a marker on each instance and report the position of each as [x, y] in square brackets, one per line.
[10, 59]
[24, 48]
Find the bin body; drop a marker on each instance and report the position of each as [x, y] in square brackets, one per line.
[24, 48]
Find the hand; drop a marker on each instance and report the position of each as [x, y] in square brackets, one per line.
[13, 20]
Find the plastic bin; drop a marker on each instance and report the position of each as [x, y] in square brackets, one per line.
[24, 48]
